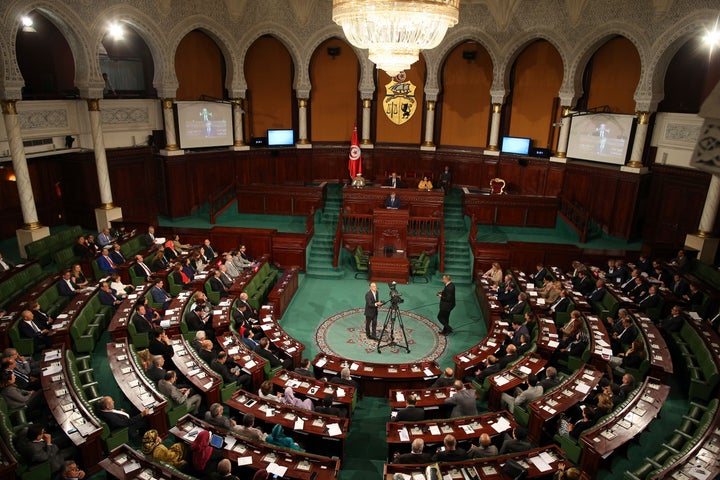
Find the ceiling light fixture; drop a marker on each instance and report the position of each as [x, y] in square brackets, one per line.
[395, 30]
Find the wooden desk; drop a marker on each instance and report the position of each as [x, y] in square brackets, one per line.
[279, 337]
[432, 400]
[246, 276]
[547, 341]
[250, 362]
[573, 391]
[465, 429]
[512, 377]
[661, 365]
[418, 203]
[314, 389]
[511, 210]
[282, 293]
[539, 462]
[314, 434]
[123, 315]
[300, 465]
[136, 387]
[467, 362]
[376, 379]
[392, 268]
[490, 307]
[124, 457]
[272, 199]
[624, 425]
[68, 409]
[599, 341]
[194, 369]
[176, 311]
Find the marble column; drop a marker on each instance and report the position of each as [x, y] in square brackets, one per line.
[237, 110]
[494, 129]
[107, 211]
[31, 229]
[429, 126]
[171, 147]
[564, 133]
[365, 141]
[638, 146]
[703, 241]
[303, 141]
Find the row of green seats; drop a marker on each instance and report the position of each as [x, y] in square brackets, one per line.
[43, 249]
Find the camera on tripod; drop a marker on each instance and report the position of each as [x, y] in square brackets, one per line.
[395, 296]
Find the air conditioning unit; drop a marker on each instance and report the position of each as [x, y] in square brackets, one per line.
[39, 145]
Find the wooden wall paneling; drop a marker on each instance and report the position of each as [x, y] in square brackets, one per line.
[257, 240]
[288, 249]
[134, 184]
[81, 193]
[180, 184]
[554, 181]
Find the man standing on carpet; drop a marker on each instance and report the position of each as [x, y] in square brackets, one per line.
[371, 312]
[447, 303]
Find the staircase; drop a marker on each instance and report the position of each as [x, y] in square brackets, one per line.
[320, 250]
[458, 254]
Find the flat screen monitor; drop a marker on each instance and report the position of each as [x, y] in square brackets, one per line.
[280, 138]
[601, 137]
[515, 145]
[204, 124]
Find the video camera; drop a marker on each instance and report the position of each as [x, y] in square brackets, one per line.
[395, 296]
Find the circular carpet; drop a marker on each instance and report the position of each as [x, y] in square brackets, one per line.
[343, 335]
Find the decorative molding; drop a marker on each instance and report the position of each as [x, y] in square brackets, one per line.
[682, 133]
[43, 119]
[125, 116]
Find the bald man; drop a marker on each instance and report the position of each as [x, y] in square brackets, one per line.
[372, 302]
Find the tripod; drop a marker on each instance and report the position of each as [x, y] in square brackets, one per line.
[389, 326]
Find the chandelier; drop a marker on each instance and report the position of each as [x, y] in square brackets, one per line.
[395, 30]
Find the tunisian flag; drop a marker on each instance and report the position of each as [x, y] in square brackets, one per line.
[355, 161]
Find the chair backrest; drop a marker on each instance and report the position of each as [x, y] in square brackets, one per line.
[497, 186]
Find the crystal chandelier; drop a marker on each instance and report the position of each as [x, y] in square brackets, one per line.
[395, 30]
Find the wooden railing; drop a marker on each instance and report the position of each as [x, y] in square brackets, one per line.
[358, 223]
[337, 240]
[220, 201]
[577, 216]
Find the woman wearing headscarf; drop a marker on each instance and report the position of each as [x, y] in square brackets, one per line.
[152, 445]
[290, 399]
[204, 456]
[278, 437]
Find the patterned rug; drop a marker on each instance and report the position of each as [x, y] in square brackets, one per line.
[343, 335]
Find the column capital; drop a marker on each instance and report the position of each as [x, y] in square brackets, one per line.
[167, 103]
[93, 104]
[643, 117]
[9, 107]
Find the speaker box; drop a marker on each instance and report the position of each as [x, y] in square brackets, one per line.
[258, 142]
[540, 152]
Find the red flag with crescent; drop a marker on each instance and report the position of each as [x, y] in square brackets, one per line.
[355, 161]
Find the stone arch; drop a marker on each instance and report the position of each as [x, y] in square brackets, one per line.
[663, 50]
[147, 29]
[301, 82]
[501, 73]
[450, 42]
[367, 70]
[73, 30]
[572, 80]
[222, 38]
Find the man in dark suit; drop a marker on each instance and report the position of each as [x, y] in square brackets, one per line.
[206, 352]
[327, 407]
[508, 295]
[105, 263]
[107, 297]
[516, 443]
[304, 368]
[209, 251]
[416, 455]
[639, 289]
[652, 299]
[598, 294]
[219, 366]
[628, 284]
[149, 238]
[263, 349]
[41, 319]
[344, 378]
[451, 452]
[643, 264]
[140, 321]
[66, 287]
[519, 307]
[198, 319]
[447, 303]
[393, 181]
[29, 329]
[392, 202]
[539, 276]
[80, 248]
[156, 370]
[679, 287]
[550, 379]
[585, 285]
[140, 268]
[120, 419]
[248, 340]
[371, 312]
[575, 347]
[159, 295]
[116, 255]
[491, 367]
[217, 285]
[410, 413]
[561, 304]
[518, 330]
[674, 322]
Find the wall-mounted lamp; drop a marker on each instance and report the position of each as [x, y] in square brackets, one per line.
[469, 55]
[333, 51]
[27, 24]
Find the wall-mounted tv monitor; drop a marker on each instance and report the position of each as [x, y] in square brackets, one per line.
[601, 137]
[515, 145]
[280, 138]
[204, 124]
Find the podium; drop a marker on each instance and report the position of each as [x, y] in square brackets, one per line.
[389, 262]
